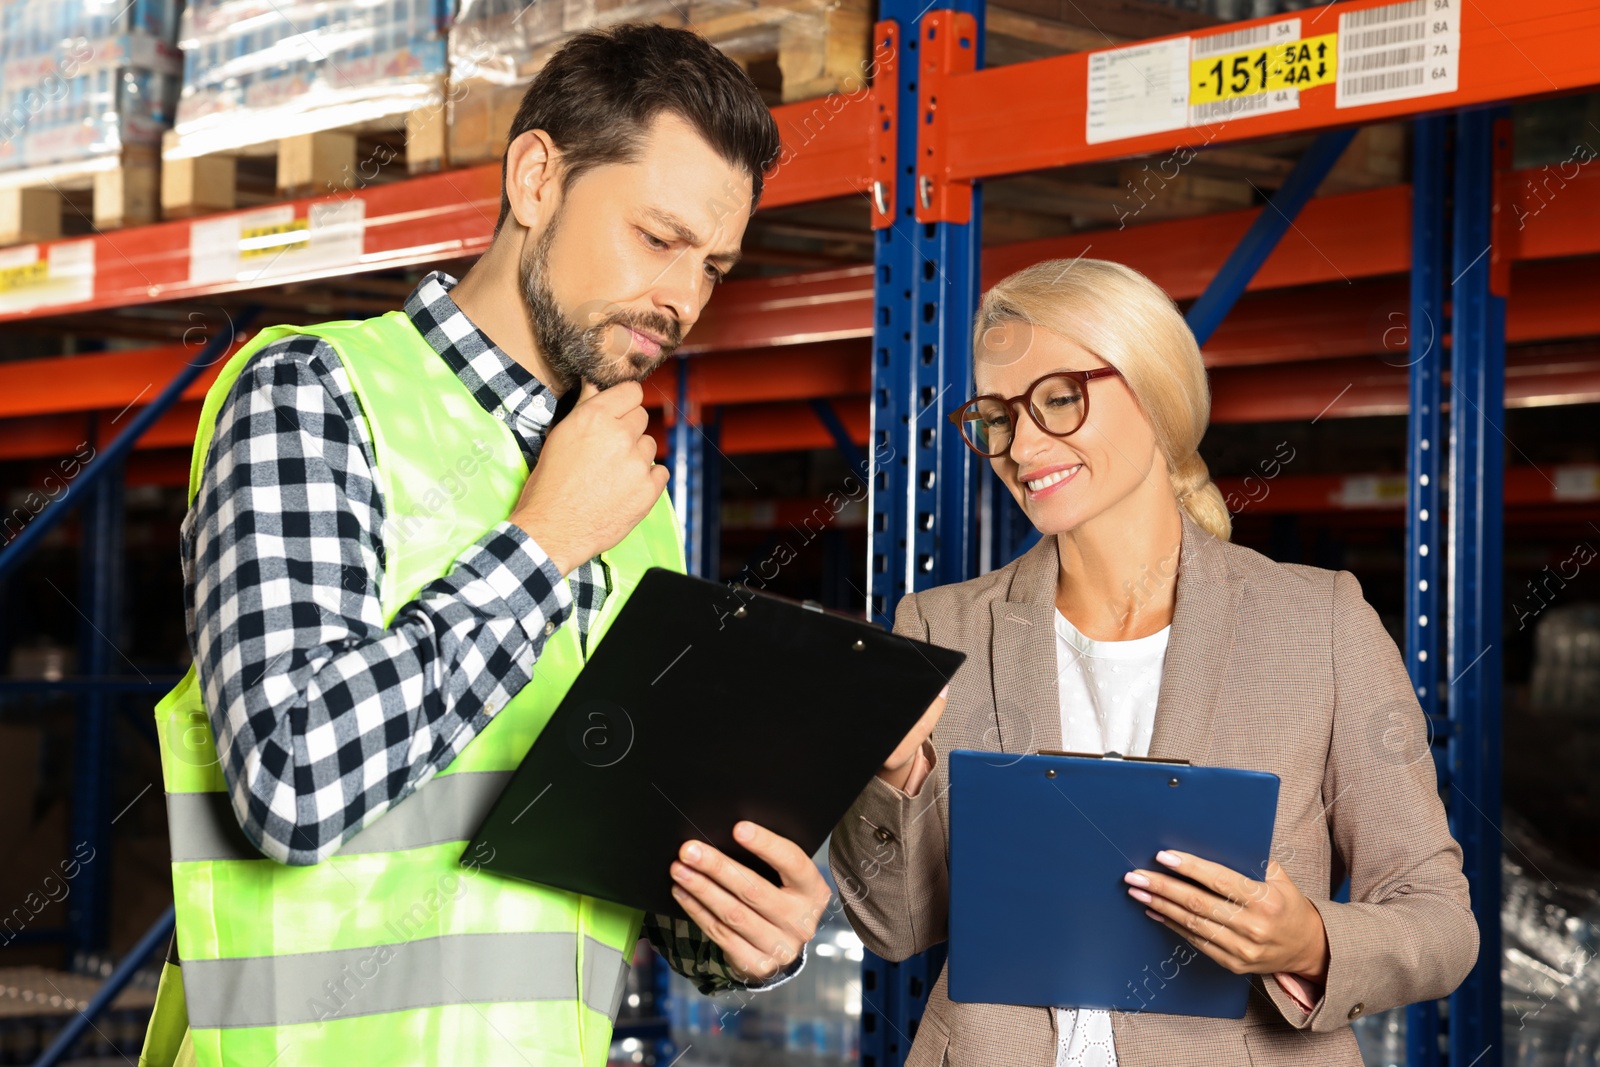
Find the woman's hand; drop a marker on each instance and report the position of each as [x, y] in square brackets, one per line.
[1247, 926]
[897, 769]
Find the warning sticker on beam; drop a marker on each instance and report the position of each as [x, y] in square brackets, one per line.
[1256, 70]
[276, 241]
[1398, 51]
[35, 276]
[1137, 90]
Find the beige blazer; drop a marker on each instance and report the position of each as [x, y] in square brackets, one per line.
[1270, 666]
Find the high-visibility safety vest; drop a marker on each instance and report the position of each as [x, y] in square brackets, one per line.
[398, 949]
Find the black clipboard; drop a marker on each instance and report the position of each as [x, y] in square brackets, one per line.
[705, 704]
[1039, 913]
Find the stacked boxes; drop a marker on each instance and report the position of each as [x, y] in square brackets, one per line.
[811, 47]
[81, 79]
[256, 71]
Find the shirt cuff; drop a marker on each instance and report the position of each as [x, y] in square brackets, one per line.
[921, 766]
[782, 976]
[514, 568]
[1302, 992]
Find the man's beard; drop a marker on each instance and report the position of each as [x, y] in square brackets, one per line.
[577, 353]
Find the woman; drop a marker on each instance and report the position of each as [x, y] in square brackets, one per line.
[1134, 626]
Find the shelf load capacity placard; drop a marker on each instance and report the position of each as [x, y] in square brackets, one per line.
[35, 276]
[276, 240]
[1376, 54]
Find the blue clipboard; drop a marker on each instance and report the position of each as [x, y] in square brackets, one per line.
[1039, 913]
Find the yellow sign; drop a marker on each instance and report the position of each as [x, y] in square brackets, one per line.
[1300, 64]
[35, 273]
[270, 240]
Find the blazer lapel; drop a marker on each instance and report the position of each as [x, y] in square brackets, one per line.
[1027, 699]
[1204, 623]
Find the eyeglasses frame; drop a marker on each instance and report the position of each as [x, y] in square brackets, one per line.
[1082, 377]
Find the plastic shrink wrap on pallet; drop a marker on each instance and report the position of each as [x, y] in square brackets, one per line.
[80, 79]
[1550, 964]
[810, 48]
[256, 71]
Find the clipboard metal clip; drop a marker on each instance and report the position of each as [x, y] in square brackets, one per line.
[1115, 756]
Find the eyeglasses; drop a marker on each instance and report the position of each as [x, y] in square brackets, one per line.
[985, 421]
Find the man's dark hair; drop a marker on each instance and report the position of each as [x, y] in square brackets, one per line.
[598, 95]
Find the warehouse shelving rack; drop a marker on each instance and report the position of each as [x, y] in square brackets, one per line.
[918, 144]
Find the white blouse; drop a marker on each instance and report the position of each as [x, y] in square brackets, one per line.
[1108, 704]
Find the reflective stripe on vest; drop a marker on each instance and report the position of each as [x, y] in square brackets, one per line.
[449, 808]
[398, 948]
[464, 969]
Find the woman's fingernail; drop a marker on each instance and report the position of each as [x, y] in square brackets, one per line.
[1154, 915]
[1169, 858]
[945, 691]
[1140, 895]
[1135, 878]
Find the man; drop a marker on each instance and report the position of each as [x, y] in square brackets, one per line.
[406, 534]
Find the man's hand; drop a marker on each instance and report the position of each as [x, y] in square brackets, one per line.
[760, 927]
[596, 477]
[897, 769]
[1247, 926]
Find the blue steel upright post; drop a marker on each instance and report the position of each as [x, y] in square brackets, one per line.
[1423, 331]
[1481, 272]
[686, 485]
[99, 603]
[924, 488]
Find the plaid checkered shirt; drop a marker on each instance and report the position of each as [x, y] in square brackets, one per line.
[324, 716]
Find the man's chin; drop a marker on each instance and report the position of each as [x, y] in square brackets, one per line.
[634, 367]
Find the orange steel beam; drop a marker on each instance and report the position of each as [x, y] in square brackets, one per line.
[770, 417]
[432, 218]
[1303, 493]
[111, 380]
[1032, 116]
[1368, 386]
[1005, 120]
[1334, 239]
[1549, 302]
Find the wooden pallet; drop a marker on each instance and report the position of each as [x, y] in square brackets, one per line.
[69, 199]
[318, 162]
[792, 49]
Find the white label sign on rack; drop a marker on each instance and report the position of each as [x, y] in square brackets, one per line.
[275, 241]
[1398, 51]
[31, 277]
[1137, 90]
[1245, 72]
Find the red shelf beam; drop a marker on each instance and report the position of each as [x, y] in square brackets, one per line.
[1032, 116]
[1321, 493]
[1005, 120]
[764, 396]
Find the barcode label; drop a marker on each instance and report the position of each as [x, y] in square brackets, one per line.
[1382, 83]
[1386, 35]
[1249, 37]
[1372, 69]
[1393, 57]
[1373, 16]
[1235, 107]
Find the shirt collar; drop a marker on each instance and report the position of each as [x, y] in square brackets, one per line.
[503, 387]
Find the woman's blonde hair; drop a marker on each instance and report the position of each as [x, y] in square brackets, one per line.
[1128, 321]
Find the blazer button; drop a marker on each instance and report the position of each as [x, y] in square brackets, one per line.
[1357, 1009]
[883, 835]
